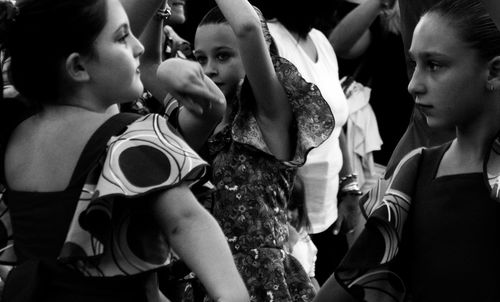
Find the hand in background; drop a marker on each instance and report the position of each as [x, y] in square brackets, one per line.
[349, 215]
[186, 82]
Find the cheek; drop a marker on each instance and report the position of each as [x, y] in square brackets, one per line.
[233, 73]
[124, 66]
[237, 72]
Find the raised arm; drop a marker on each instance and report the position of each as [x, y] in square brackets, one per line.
[351, 36]
[140, 12]
[151, 39]
[273, 111]
[202, 103]
[197, 238]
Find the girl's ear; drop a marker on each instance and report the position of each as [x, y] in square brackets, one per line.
[75, 68]
[494, 74]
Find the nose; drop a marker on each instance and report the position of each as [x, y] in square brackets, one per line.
[210, 68]
[137, 47]
[416, 86]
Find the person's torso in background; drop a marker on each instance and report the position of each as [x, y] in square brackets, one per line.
[320, 173]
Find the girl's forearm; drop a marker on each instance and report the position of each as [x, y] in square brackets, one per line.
[197, 238]
[140, 12]
[354, 27]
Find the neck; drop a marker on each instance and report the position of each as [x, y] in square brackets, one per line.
[61, 109]
[84, 100]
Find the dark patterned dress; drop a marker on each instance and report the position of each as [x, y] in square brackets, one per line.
[252, 188]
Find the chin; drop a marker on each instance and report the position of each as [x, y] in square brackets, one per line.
[177, 16]
[134, 94]
[436, 124]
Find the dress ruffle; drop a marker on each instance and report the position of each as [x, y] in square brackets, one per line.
[146, 158]
[314, 120]
[366, 271]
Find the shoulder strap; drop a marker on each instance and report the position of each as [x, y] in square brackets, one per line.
[431, 158]
[97, 144]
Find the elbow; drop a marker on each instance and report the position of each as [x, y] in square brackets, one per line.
[340, 50]
[248, 28]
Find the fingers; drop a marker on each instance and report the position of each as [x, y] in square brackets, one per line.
[201, 97]
[191, 105]
[186, 81]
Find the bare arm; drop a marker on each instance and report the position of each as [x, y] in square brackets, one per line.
[351, 37]
[273, 111]
[140, 12]
[151, 39]
[493, 7]
[349, 213]
[197, 238]
[203, 103]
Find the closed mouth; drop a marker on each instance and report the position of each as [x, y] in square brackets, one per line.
[420, 105]
[178, 3]
[425, 109]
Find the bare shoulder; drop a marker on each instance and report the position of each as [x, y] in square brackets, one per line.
[43, 151]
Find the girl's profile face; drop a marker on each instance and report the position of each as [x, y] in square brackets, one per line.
[114, 67]
[217, 51]
[449, 79]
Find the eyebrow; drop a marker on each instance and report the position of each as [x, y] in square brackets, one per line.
[216, 49]
[426, 54]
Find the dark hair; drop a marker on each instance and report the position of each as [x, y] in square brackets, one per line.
[39, 37]
[300, 17]
[215, 16]
[472, 23]
[297, 202]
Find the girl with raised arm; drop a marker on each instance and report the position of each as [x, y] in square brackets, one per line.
[83, 223]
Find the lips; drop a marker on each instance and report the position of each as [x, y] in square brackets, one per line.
[178, 3]
[424, 108]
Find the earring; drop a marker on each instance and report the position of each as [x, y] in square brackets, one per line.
[491, 87]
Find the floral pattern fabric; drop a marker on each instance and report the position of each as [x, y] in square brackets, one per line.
[252, 189]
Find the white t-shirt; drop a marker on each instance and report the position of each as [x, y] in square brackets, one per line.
[305, 252]
[321, 170]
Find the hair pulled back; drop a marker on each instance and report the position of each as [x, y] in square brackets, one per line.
[473, 24]
[39, 35]
[300, 16]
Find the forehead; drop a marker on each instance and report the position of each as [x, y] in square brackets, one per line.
[435, 34]
[115, 14]
[214, 36]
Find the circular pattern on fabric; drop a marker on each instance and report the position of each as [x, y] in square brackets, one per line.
[144, 158]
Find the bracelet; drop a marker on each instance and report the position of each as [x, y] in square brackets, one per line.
[349, 177]
[350, 189]
[350, 192]
[163, 14]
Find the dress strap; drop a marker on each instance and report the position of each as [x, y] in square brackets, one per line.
[431, 159]
[97, 143]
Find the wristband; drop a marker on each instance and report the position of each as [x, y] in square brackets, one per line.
[347, 179]
[350, 189]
